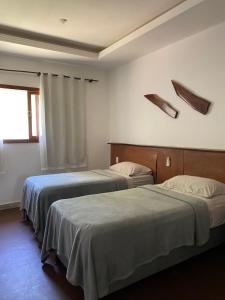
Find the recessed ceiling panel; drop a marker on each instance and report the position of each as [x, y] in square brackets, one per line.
[94, 22]
[40, 53]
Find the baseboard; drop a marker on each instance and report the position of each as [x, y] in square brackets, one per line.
[9, 205]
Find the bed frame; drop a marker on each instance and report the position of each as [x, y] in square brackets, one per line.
[196, 162]
[217, 237]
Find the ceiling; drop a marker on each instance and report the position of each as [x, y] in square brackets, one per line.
[101, 31]
[95, 22]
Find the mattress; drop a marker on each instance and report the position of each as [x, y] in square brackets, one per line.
[133, 182]
[216, 206]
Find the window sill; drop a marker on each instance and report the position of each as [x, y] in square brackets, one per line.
[21, 141]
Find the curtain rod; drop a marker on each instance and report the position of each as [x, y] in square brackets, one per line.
[39, 73]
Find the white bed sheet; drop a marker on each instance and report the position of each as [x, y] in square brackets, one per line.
[216, 207]
[136, 181]
[139, 180]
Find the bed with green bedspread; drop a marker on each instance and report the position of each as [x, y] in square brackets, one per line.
[104, 239]
[41, 191]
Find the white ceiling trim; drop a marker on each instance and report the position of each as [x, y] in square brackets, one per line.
[180, 8]
[48, 46]
[188, 18]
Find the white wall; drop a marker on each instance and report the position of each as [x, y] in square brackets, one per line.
[199, 63]
[23, 159]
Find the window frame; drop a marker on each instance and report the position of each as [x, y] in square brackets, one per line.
[30, 91]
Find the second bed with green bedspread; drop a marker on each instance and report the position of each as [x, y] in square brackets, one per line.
[104, 238]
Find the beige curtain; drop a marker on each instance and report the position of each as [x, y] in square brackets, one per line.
[2, 157]
[63, 123]
[2, 147]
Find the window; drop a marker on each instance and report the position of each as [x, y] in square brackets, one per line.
[19, 114]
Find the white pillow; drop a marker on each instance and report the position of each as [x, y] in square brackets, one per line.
[130, 169]
[199, 186]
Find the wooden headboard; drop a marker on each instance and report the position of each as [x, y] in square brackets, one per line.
[145, 156]
[206, 163]
[196, 162]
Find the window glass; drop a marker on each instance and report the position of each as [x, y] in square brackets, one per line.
[14, 108]
[18, 114]
[34, 114]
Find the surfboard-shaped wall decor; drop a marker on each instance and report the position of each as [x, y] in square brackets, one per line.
[196, 102]
[162, 104]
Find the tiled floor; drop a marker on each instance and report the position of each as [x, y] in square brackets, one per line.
[22, 275]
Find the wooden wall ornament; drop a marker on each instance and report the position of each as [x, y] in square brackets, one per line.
[162, 104]
[196, 102]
